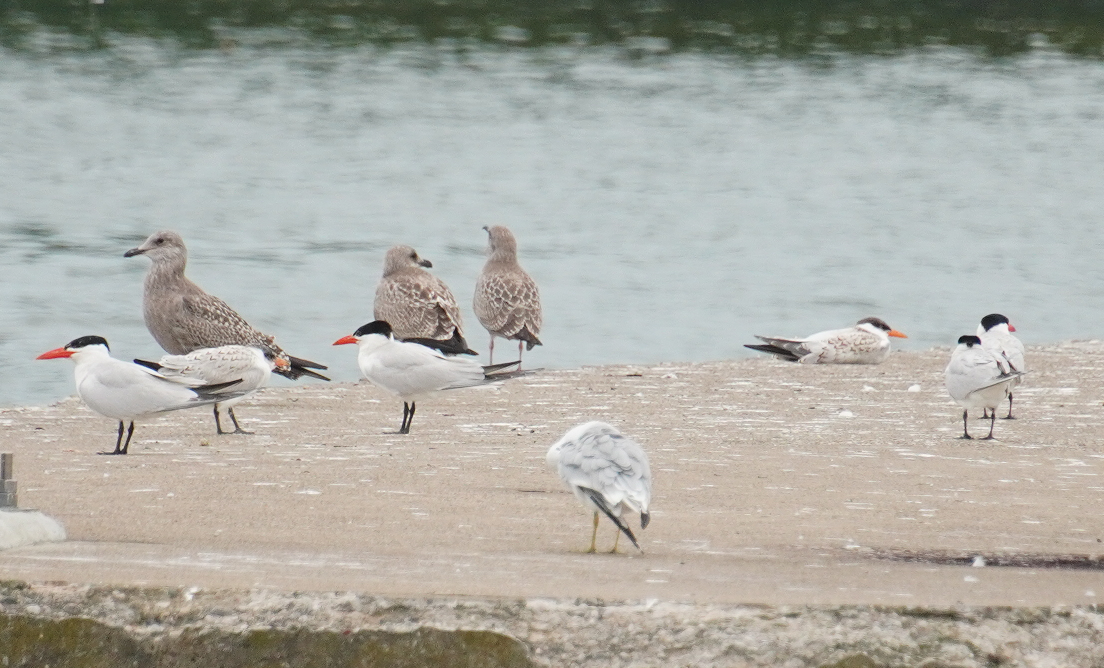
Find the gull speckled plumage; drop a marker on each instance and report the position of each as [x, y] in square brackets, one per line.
[182, 317]
[507, 301]
[417, 304]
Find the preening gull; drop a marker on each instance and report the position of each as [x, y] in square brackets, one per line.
[412, 370]
[995, 333]
[507, 301]
[127, 392]
[607, 471]
[417, 304]
[206, 366]
[978, 379]
[182, 317]
[865, 343]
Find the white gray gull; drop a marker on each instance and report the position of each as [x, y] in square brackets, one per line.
[182, 317]
[978, 379]
[417, 304]
[412, 370]
[128, 392]
[507, 301]
[252, 367]
[607, 471]
[995, 332]
[865, 343]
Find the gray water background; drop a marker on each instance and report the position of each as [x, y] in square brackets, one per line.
[670, 205]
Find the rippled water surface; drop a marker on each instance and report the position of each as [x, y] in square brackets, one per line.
[670, 206]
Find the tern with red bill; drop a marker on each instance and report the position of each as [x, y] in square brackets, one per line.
[976, 378]
[865, 343]
[995, 332]
[412, 370]
[128, 392]
[210, 366]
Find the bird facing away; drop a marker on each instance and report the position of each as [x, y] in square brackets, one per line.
[412, 370]
[977, 379]
[995, 333]
[182, 317]
[419, 306]
[128, 392]
[865, 343]
[251, 366]
[507, 301]
[607, 471]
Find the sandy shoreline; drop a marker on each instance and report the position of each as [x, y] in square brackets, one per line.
[775, 484]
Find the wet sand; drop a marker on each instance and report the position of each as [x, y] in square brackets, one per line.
[774, 484]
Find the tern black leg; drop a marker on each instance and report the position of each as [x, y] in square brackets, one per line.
[1009, 416]
[218, 425]
[408, 417]
[237, 429]
[984, 414]
[992, 421]
[965, 432]
[118, 441]
[122, 450]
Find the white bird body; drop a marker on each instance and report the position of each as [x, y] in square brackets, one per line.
[976, 378]
[867, 342]
[411, 370]
[995, 332]
[607, 471]
[128, 392]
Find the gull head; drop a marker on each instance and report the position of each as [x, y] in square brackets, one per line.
[399, 258]
[501, 243]
[161, 246]
[78, 349]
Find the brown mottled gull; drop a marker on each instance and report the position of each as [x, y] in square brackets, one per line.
[418, 305]
[507, 301]
[182, 317]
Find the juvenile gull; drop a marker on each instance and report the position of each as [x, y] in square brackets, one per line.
[977, 379]
[608, 472]
[251, 366]
[865, 343]
[995, 333]
[412, 370]
[182, 317]
[417, 304]
[128, 392]
[507, 301]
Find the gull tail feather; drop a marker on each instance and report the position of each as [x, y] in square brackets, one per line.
[604, 507]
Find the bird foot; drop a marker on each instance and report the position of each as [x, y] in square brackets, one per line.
[115, 452]
[1009, 417]
[966, 437]
[239, 430]
[988, 438]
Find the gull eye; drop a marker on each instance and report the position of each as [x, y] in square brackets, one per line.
[159, 241]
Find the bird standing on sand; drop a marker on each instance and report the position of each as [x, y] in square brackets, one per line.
[182, 317]
[252, 367]
[976, 378]
[995, 333]
[865, 343]
[417, 304]
[608, 472]
[412, 370]
[507, 301]
[128, 392]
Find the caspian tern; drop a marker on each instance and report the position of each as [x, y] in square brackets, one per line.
[419, 306]
[182, 317]
[607, 471]
[412, 370]
[978, 379]
[865, 343]
[124, 391]
[207, 366]
[507, 301]
[995, 333]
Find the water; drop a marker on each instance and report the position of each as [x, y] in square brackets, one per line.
[670, 206]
